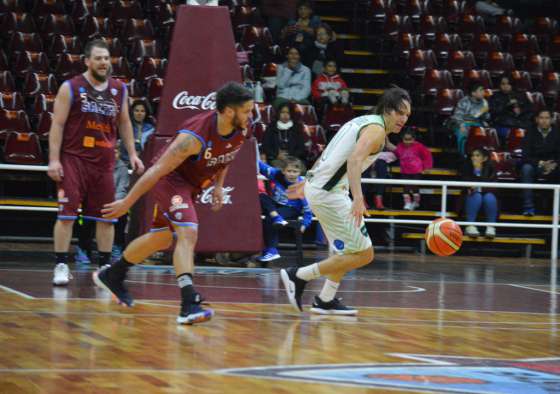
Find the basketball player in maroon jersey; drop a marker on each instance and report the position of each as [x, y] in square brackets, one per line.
[196, 158]
[88, 111]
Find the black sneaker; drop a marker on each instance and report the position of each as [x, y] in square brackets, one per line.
[116, 287]
[193, 312]
[294, 286]
[334, 307]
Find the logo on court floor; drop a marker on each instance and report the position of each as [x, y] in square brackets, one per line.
[430, 373]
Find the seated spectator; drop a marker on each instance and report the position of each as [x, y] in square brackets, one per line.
[541, 153]
[414, 158]
[277, 14]
[480, 169]
[327, 86]
[203, 2]
[323, 48]
[490, 9]
[293, 80]
[284, 137]
[380, 170]
[301, 31]
[471, 110]
[277, 207]
[509, 109]
[141, 128]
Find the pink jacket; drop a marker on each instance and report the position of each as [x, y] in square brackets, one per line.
[414, 158]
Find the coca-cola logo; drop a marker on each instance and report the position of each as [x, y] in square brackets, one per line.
[206, 196]
[185, 101]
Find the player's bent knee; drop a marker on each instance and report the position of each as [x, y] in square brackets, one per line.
[188, 234]
[366, 256]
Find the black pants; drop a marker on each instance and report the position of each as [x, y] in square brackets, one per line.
[269, 231]
[409, 189]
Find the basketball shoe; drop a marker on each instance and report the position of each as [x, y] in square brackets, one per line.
[61, 275]
[333, 307]
[192, 312]
[115, 285]
[294, 286]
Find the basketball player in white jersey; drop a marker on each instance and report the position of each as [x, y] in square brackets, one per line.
[353, 149]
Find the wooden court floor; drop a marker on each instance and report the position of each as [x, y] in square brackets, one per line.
[422, 327]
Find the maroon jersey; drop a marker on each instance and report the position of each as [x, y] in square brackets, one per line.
[217, 151]
[90, 131]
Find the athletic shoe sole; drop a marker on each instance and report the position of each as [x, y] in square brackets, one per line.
[60, 283]
[102, 285]
[290, 287]
[272, 258]
[334, 312]
[199, 317]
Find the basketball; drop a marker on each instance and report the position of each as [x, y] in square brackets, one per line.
[444, 237]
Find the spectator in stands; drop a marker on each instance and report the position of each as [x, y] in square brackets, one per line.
[301, 31]
[380, 170]
[480, 169]
[278, 13]
[327, 86]
[541, 154]
[471, 110]
[284, 137]
[122, 181]
[509, 109]
[323, 48]
[414, 159]
[277, 207]
[203, 2]
[141, 127]
[293, 80]
[490, 9]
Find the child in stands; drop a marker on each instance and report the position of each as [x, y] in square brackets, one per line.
[277, 207]
[414, 158]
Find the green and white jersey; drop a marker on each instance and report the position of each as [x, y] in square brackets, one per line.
[330, 170]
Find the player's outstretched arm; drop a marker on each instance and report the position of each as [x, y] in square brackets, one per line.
[184, 146]
[370, 142]
[62, 105]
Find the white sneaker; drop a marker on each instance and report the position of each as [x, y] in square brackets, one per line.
[472, 231]
[490, 232]
[408, 206]
[61, 275]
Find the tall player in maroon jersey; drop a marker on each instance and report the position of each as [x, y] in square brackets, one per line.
[197, 157]
[88, 111]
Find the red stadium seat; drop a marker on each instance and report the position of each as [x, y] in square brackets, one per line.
[242, 16]
[259, 128]
[68, 66]
[480, 76]
[550, 86]
[499, 63]
[23, 148]
[537, 99]
[435, 80]
[57, 24]
[136, 91]
[135, 29]
[121, 67]
[94, 26]
[544, 28]
[523, 45]
[7, 6]
[7, 83]
[459, 62]
[470, 26]
[44, 124]
[420, 61]
[115, 45]
[537, 66]
[336, 115]
[37, 83]
[255, 36]
[394, 24]
[46, 7]
[143, 48]
[13, 21]
[155, 88]
[481, 137]
[446, 100]
[81, 9]
[60, 43]
[21, 42]
[247, 73]
[264, 113]
[430, 25]
[452, 11]
[521, 81]
[482, 45]
[4, 66]
[515, 141]
[14, 121]
[44, 103]
[505, 166]
[12, 101]
[26, 62]
[151, 68]
[444, 44]
[125, 10]
[506, 27]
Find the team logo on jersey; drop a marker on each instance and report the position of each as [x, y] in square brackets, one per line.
[114, 91]
[178, 216]
[82, 89]
[428, 373]
[338, 244]
[176, 200]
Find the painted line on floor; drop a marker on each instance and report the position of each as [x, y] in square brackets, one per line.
[531, 288]
[19, 293]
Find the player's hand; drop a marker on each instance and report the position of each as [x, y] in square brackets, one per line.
[358, 210]
[217, 198]
[115, 209]
[55, 171]
[296, 191]
[137, 164]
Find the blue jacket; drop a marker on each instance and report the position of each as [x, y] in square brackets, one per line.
[293, 84]
[279, 191]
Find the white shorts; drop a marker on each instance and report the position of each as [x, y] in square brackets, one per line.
[333, 209]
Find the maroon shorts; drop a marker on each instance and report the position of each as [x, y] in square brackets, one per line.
[84, 184]
[174, 204]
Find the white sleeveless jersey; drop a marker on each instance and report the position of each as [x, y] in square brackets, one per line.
[330, 170]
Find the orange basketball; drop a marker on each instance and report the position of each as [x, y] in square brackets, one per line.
[444, 237]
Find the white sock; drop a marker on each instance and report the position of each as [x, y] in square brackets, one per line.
[329, 290]
[308, 272]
